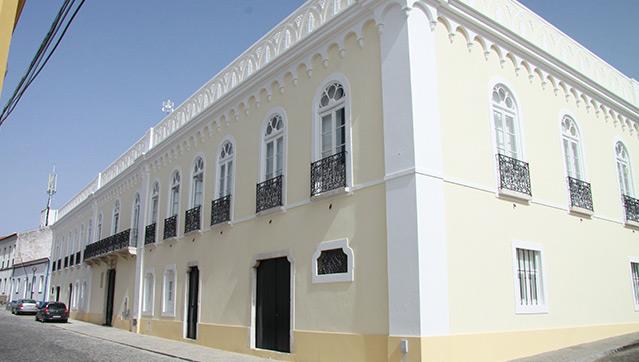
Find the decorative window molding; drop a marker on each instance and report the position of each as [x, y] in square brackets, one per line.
[197, 182]
[174, 194]
[148, 297]
[571, 143]
[529, 278]
[506, 122]
[168, 291]
[624, 170]
[634, 279]
[225, 168]
[273, 141]
[333, 261]
[115, 220]
[135, 222]
[155, 203]
[98, 231]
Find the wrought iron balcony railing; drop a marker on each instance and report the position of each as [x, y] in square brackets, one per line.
[329, 173]
[514, 175]
[268, 194]
[631, 205]
[109, 244]
[580, 194]
[149, 233]
[170, 227]
[192, 219]
[221, 210]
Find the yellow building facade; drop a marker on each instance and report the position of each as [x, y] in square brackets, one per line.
[9, 14]
[374, 181]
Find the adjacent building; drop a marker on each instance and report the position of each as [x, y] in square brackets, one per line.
[10, 11]
[375, 180]
[7, 259]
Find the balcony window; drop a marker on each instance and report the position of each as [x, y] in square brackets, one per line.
[514, 175]
[221, 210]
[192, 219]
[149, 234]
[580, 194]
[135, 230]
[329, 173]
[170, 227]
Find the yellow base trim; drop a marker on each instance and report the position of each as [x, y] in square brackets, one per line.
[331, 346]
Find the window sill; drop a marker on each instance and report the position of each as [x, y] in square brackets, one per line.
[539, 309]
[147, 314]
[168, 315]
[331, 193]
[580, 211]
[193, 233]
[220, 225]
[514, 195]
[632, 224]
[272, 210]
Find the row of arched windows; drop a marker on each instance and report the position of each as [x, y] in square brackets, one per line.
[508, 142]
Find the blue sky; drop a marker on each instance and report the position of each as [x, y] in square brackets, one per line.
[104, 86]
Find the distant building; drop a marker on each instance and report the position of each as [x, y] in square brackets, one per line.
[375, 180]
[7, 259]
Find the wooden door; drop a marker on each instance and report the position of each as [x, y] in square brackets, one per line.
[273, 305]
[194, 284]
[108, 318]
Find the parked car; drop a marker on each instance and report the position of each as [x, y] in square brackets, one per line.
[53, 311]
[10, 305]
[24, 306]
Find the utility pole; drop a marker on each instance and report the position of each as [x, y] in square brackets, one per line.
[53, 180]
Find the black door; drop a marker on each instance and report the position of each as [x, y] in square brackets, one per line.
[70, 294]
[191, 318]
[108, 317]
[57, 294]
[273, 305]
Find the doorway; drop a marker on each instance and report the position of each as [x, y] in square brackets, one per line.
[70, 295]
[57, 294]
[191, 319]
[273, 305]
[108, 316]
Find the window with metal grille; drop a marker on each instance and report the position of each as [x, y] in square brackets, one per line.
[529, 280]
[634, 269]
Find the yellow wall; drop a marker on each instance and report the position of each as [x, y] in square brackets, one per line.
[9, 14]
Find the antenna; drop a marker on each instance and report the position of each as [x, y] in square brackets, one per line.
[167, 106]
[51, 188]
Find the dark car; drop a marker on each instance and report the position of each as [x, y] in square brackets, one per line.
[24, 306]
[53, 311]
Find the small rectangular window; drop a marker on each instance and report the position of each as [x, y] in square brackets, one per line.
[168, 298]
[529, 279]
[634, 271]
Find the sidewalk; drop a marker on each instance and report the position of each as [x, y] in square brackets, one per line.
[587, 352]
[167, 347]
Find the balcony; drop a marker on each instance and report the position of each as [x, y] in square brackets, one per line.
[580, 196]
[268, 194]
[149, 233]
[170, 227]
[631, 206]
[514, 177]
[114, 245]
[192, 219]
[328, 174]
[77, 258]
[221, 210]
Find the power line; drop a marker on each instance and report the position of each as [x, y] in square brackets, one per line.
[37, 64]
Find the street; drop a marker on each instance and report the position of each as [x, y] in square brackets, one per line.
[24, 339]
[626, 355]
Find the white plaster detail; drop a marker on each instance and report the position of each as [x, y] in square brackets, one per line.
[337, 277]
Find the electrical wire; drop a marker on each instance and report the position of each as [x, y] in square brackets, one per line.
[43, 54]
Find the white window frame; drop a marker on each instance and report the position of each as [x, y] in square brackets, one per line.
[136, 210]
[98, 229]
[619, 162]
[265, 139]
[223, 190]
[154, 205]
[541, 308]
[517, 120]
[197, 173]
[336, 277]
[316, 143]
[171, 200]
[147, 310]
[634, 284]
[41, 284]
[572, 161]
[168, 309]
[115, 217]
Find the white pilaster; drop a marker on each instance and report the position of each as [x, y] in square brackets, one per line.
[417, 253]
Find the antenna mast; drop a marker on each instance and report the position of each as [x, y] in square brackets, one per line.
[51, 187]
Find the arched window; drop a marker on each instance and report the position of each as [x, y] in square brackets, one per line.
[99, 228]
[624, 171]
[89, 232]
[175, 194]
[273, 148]
[116, 217]
[198, 182]
[506, 122]
[572, 148]
[155, 203]
[225, 169]
[332, 115]
[136, 220]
